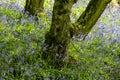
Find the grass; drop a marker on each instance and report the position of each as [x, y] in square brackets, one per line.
[21, 38]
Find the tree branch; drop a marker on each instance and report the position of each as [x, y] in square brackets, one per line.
[90, 16]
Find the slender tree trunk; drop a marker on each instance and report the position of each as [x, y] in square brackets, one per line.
[90, 16]
[55, 48]
[34, 7]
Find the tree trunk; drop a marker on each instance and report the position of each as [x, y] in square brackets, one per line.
[55, 48]
[90, 16]
[57, 39]
[34, 7]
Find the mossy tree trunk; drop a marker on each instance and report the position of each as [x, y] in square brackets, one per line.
[55, 48]
[90, 16]
[58, 38]
[34, 7]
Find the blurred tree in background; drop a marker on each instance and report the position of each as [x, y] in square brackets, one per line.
[55, 48]
[34, 7]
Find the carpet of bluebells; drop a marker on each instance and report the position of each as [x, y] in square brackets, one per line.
[21, 38]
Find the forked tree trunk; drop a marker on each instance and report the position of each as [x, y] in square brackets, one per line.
[34, 7]
[55, 48]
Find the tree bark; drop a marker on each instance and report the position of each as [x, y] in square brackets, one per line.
[55, 48]
[90, 16]
[34, 7]
[57, 39]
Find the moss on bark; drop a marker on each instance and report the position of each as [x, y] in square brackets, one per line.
[90, 16]
[57, 39]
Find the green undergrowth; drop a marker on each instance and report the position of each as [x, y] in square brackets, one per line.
[21, 39]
